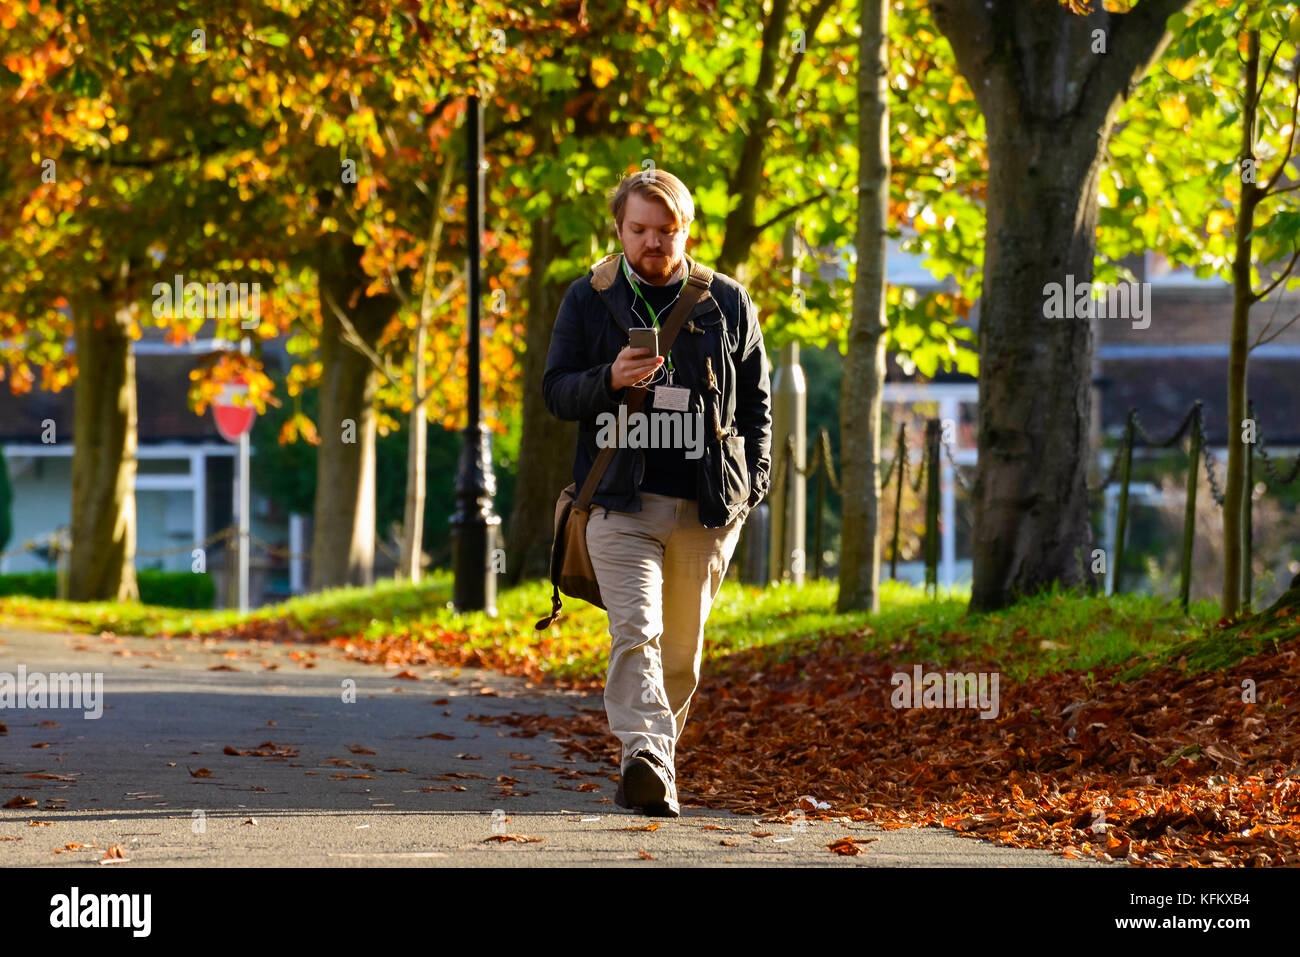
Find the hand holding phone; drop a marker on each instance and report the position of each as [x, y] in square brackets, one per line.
[633, 364]
[645, 339]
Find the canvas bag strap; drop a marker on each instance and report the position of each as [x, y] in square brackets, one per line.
[697, 284]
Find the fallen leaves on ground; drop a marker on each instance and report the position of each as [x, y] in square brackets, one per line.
[518, 838]
[21, 801]
[1071, 762]
[1170, 769]
[434, 645]
[267, 749]
[849, 845]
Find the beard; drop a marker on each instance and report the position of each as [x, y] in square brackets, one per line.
[657, 270]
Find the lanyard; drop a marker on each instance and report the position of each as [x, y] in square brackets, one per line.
[668, 361]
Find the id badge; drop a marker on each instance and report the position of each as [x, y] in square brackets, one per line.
[676, 398]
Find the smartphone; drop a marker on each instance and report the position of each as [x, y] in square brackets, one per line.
[645, 339]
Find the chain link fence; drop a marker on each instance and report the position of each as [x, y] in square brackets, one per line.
[1190, 432]
[821, 466]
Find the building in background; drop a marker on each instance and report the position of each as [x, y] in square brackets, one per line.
[184, 486]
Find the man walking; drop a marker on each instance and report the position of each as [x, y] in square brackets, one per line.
[666, 516]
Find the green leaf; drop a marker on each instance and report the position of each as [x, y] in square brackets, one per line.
[85, 83]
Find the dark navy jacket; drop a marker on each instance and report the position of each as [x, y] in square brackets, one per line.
[719, 354]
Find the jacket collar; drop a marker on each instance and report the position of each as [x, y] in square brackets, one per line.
[604, 276]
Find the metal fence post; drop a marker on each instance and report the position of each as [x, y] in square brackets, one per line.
[1247, 512]
[823, 443]
[789, 424]
[932, 505]
[900, 470]
[753, 546]
[62, 547]
[1189, 517]
[1121, 523]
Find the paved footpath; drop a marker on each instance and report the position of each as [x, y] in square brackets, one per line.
[398, 777]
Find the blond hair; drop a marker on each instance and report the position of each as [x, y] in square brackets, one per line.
[654, 184]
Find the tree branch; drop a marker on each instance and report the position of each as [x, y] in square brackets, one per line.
[496, 132]
[1268, 67]
[151, 163]
[1137, 39]
[395, 281]
[353, 338]
[1260, 341]
[1257, 296]
[1290, 140]
[815, 19]
[795, 207]
[1284, 189]
[773, 29]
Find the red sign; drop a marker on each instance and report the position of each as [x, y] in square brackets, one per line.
[233, 420]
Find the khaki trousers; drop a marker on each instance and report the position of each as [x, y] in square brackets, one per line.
[658, 570]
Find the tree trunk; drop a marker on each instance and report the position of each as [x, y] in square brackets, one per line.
[102, 564]
[417, 445]
[343, 543]
[418, 441]
[1234, 486]
[546, 445]
[740, 229]
[1031, 501]
[864, 367]
[1049, 97]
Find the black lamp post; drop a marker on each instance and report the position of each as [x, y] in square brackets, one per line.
[474, 524]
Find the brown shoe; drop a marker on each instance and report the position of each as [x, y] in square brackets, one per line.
[645, 785]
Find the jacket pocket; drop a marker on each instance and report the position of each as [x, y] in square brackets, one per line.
[735, 470]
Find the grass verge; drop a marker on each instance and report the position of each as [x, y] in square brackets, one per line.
[1051, 632]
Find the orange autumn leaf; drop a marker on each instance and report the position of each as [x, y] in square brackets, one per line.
[844, 845]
